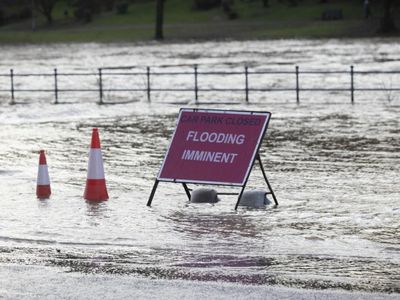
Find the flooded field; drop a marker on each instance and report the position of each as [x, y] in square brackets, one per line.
[334, 168]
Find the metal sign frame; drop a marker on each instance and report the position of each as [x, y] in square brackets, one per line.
[255, 156]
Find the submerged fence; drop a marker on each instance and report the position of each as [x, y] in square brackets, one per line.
[193, 80]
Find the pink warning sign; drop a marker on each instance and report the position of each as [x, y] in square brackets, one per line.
[214, 146]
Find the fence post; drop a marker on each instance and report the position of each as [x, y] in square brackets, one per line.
[100, 86]
[297, 85]
[148, 84]
[196, 90]
[246, 72]
[352, 83]
[55, 86]
[12, 86]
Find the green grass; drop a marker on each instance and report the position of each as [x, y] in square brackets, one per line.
[315, 30]
[183, 22]
[65, 36]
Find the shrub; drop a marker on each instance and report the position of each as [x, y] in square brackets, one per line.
[122, 8]
[83, 15]
[25, 13]
[109, 5]
[227, 7]
[206, 4]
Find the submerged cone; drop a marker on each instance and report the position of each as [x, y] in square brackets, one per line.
[96, 189]
[43, 190]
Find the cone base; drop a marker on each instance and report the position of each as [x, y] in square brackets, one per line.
[96, 190]
[43, 191]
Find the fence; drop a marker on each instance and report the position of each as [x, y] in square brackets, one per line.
[191, 75]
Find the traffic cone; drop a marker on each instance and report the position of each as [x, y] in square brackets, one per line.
[43, 190]
[96, 189]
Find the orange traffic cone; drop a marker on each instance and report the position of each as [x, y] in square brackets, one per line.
[96, 189]
[43, 190]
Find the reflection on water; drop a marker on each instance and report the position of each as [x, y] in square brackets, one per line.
[197, 225]
[43, 203]
[96, 209]
[333, 167]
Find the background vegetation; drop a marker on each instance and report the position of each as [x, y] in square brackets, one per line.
[133, 20]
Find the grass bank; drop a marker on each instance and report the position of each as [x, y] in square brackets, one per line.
[182, 22]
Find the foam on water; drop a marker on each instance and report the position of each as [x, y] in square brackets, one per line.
[46, 283]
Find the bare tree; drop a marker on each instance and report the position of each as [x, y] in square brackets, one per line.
[45, 7]
[159, 19]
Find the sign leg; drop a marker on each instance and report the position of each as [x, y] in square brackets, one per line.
[266, 179]
[153, 191]
[240, 196]
[187, 191]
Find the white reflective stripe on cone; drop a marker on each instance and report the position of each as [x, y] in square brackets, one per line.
[95, 166]
[43, 175]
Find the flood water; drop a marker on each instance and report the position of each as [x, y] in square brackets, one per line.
[333, 166]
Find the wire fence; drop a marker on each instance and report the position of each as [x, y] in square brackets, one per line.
[246, 82]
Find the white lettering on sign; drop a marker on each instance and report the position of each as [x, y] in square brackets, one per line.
[214, 146]
[214, 137]
[208, 156]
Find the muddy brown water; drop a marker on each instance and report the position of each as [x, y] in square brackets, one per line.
[334, 167]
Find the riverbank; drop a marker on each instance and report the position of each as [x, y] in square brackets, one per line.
[239, 30]
[183, 23]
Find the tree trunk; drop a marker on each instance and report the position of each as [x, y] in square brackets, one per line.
[49, 17]
[159, 20]
[265, 3]
[387, 21]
